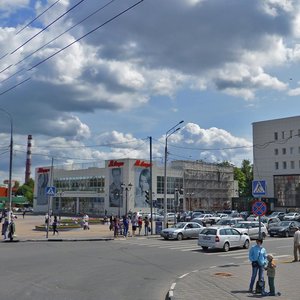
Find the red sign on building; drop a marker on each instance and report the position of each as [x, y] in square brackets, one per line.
[141, 163]
[115, 163]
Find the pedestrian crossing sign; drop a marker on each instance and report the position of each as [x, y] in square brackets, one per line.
[258, 188]
[50, 190]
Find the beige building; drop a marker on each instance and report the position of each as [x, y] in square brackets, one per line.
[276, 159]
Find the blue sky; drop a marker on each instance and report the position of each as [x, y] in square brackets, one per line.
[219, 65]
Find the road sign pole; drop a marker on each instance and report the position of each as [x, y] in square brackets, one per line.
[259, 225]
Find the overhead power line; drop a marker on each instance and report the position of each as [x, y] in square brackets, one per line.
[70, 28]
[50, 24]
[37, 17]
[85, 35]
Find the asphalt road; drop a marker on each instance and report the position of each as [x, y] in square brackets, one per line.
[131, 269]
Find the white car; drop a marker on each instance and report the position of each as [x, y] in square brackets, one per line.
[251, 228]
[252, 218]
[291, 216]
[222, 238]
[182, 230]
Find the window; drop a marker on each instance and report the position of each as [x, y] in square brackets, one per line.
[277, 165]
[282, 135]
[291, 133]
[283, 151]
[276, 151]
[292, 164]
[298, 132]
[291, 150]
[284, 164]
[276, 135]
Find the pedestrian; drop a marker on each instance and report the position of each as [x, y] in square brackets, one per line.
[24, 212]
[54, 225]
[258, 258]
[46, 219]
[296, 244]
[5, 228]
[111, 223]
[134, 222]
[125, 225]
[85, 220]
[146, 224]
[140, 224]
[116, 226]
[271, 266]
[11, 229]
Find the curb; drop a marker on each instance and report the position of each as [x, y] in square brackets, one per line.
[61, 240]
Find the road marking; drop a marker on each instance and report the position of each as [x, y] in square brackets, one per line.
[190, 249]
[182, 276]
[173, 286]
[236, 251]
[284, 247]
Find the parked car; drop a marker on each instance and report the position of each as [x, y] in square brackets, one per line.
[156, 217]
[284, 228]
[182, 230]
[252, 218]
[199, 221]
[291, 216]
[228, 222]
[269, 222]
[245, 214]
[251, 228]
[222, 238]
[215, 218]
[277, 214]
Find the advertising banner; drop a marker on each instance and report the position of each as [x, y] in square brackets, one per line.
[142, 185]
[43, 177]
[115, 189]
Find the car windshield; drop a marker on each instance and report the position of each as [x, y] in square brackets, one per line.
[223, 222]
[209, 231]
[290, 214]
[241, 225]
[284, 223]
[179, 225]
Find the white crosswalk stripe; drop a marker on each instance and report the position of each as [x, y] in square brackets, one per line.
[191, 246]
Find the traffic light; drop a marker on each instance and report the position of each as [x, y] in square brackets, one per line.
[147, 196]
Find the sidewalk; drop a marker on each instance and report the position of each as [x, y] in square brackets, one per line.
[232, 282]
[25, 231]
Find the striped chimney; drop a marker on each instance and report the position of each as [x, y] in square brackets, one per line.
[28, 159]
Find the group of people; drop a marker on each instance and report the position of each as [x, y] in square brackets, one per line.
[120, 226]
[261, 261]
[8, 229]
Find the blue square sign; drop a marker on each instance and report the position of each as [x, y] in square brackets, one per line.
[258, 188]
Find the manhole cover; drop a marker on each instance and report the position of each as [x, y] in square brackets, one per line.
[223, 274]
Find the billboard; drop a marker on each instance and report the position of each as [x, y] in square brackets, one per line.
[43, 176]
[115, 189]
[142, 184]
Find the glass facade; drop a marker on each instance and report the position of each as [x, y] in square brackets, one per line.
[287, 190]
[172, 184]
[92, 183]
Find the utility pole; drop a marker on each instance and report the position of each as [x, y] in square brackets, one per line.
[150, 187]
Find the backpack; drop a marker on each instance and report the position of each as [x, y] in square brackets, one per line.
[260, 286]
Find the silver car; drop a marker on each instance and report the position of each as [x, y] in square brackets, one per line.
[182, 230]
[251, 228]
[222, 238]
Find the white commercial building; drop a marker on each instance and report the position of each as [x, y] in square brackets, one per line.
[276, 159]
[123, 185]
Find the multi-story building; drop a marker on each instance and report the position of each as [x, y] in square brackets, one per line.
[276, 159]
[123, 185]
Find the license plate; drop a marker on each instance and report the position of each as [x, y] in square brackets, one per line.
[207, 238]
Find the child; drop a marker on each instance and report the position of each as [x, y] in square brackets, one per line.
[271, 274]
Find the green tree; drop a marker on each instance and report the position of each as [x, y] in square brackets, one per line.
[247, 169]
[26, 190]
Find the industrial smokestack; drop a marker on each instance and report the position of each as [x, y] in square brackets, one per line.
[28, 159]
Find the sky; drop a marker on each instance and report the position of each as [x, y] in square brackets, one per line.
[93, 80]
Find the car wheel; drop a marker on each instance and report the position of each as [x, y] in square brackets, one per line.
[271, 235]
[286, 234]
[165, 238]
[263, 235]
[179, 236]
[246, 244]
[204, 248]
[226, 247]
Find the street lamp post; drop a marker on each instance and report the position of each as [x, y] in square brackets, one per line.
[10, 163]
[168, 133]
[127, 188]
